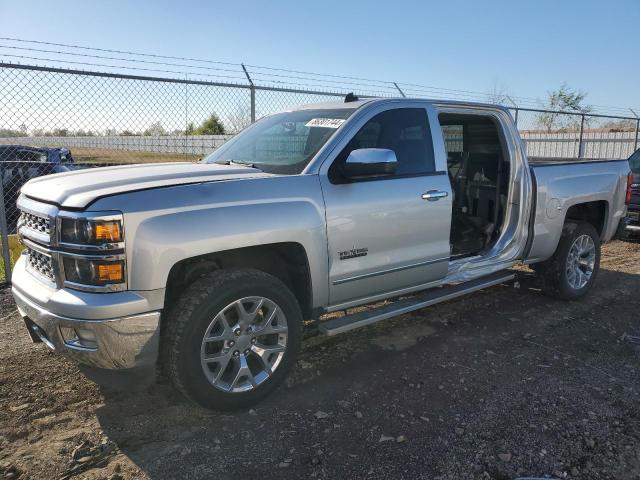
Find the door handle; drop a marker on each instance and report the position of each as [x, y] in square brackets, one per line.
[434, 195]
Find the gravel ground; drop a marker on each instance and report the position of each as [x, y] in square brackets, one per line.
[505, 383]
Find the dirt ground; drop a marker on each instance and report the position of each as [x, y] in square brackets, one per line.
[505, 383]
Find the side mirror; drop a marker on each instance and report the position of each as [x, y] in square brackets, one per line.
[369, 162]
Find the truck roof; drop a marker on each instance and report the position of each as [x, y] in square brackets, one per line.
[353, 105]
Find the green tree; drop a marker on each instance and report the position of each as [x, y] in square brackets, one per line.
[211, 126]
[565, 99]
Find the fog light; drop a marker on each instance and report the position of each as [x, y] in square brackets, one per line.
[87, 337]
[68, 334]
[79, 337]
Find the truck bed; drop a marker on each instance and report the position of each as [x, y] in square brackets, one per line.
[559, 184]
[567, 160]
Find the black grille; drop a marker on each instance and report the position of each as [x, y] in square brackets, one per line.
[40, 263]
[35, 222]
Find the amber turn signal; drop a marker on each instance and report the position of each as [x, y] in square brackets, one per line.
[110, 272]
[108, 231]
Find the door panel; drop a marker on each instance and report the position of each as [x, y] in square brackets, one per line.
[388, 233]
[405, 236]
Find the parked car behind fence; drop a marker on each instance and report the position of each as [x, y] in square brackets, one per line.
[19, 164]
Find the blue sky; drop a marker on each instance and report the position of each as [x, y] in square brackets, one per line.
[528, 48]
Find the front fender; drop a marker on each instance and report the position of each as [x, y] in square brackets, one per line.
[168, 225]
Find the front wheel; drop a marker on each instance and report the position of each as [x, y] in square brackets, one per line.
[569, 274]
[231, 338]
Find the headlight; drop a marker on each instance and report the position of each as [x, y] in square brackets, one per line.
[85, 231]
[91, 251]
[93, 272]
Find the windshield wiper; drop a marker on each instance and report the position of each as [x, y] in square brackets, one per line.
[238, 162]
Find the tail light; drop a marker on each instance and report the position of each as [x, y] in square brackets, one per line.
[627, 198]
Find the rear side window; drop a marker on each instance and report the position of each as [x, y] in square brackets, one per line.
[30, 156]
[403, 130]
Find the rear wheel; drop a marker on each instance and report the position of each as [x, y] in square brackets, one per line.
[570, 272]
[231, 338]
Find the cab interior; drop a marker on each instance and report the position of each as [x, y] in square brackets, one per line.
[479, 173]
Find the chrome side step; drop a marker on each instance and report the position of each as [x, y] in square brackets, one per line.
[430, 297]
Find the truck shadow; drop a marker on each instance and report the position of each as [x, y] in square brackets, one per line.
[337, 406]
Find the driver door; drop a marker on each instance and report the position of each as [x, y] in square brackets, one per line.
[388, 234]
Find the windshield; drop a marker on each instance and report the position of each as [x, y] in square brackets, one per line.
[634, 162]
[282, 143]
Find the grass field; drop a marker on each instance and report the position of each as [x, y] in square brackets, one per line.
[15, 247]
[100, 155]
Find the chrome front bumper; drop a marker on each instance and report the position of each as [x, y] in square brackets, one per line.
[129, 342]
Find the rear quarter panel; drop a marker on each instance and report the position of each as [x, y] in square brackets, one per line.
[561, 186]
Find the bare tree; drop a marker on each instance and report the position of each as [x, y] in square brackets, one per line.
[239, 118]
[155, 130]
[498, 93]
[624, 125]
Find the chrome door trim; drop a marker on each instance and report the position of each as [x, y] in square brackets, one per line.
[390, 270]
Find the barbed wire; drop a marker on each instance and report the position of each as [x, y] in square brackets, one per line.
[290, 77]
[91, 64]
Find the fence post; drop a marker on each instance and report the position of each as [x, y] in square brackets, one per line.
[252, 89]
[580, 142]
[398, 88]
[6, 255]
[635, 143]
[186, 117]
[515, 107]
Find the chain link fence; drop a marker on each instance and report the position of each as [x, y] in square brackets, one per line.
[572, 136]
[57, 119]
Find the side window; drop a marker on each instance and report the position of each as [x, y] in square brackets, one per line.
[403, 130]
[30, 156]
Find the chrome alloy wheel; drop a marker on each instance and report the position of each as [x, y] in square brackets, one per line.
[581, 262]
[244, 344]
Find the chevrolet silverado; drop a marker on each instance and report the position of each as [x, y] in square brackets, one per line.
[205, 271]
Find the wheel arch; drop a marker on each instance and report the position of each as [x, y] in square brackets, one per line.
[594, 213]
[287, 261]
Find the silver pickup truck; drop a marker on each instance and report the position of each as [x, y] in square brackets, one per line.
[205, 271]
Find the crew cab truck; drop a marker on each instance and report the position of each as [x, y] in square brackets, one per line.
[205, 271]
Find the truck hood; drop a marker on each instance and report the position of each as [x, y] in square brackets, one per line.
[78, 188]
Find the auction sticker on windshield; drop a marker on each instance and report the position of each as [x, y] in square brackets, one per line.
[325, 122]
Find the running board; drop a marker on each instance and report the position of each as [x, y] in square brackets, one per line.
[430, 297]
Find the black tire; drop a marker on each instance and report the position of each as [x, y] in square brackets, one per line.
[552, 273]
[190, 317]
